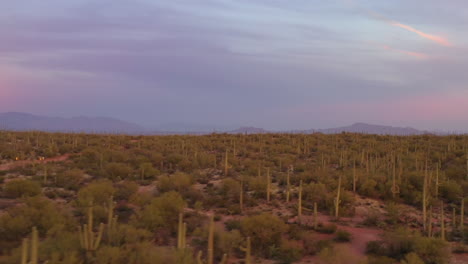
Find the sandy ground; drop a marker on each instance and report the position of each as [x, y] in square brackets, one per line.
[22, 163]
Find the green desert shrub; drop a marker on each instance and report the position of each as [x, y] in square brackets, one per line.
[265, 230]
[162, 212]
[21, 188]
[342, 236]
[399, 243]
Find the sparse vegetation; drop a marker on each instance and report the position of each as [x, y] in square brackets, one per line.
[271, 196]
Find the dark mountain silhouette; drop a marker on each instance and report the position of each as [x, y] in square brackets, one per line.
[248, 130]
[371, 129]
[24, 122]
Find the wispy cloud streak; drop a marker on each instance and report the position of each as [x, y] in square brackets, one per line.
[413, 54]
[437, 39]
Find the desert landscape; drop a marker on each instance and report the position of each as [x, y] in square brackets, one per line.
[233, 198]
[233, 132]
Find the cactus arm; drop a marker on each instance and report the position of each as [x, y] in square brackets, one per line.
[85, 237]
[199, 255]
[224, 259]
[24, 251]
[97, 242]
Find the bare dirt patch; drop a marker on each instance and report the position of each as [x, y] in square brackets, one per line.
[22, 163]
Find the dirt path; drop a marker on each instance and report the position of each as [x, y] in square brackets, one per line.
[22, 163]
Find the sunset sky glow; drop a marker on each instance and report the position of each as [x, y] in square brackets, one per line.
[267, 63]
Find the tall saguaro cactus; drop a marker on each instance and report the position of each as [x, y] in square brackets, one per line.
[299, 203]
[337, 200]
[288, 184]
[210, 250]
[395, 188]
[462, 214]
[429, 227]
[111, 221]
[424, 201]
[33, 259]
[247, 250]
[226, 164]
[354, 176]
[315, 216]
[268, 190]
[181, 232]
[241, 196]
[90, 240]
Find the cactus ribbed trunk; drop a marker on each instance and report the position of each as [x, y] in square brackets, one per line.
[429, 227]
[288, 186]
[226, 164]
[395, 188]
[299, 203]
[424, 200]
[111, 221]
[24, 251]
[268, 185]
[88, 239]
[315, 216]
[247, 250]
[454, 219]
[354, 177]
[241, 196]
[30, 251]
[34, 246]
[337, 200]
[180, 232]
[462, 214]
[437, 181]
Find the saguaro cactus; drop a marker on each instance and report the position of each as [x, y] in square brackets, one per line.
[429, 227]
[424, 201]
[268, 190]
[89, 240]
[395, 188]
[437, 181]
[181, 232]
[33, 249]
[337, 200]
[315, 216]
[354, 176]
[462, 214]
[247, 250]
[288, 184]
[210, 251]
[241, 196]
[299, 203]
[111, 221]
[226, 165]
[454, 219]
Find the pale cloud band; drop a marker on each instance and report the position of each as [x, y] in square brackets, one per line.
[439, 40]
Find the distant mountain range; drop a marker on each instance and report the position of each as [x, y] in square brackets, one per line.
[371, 129]
[24, 122]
